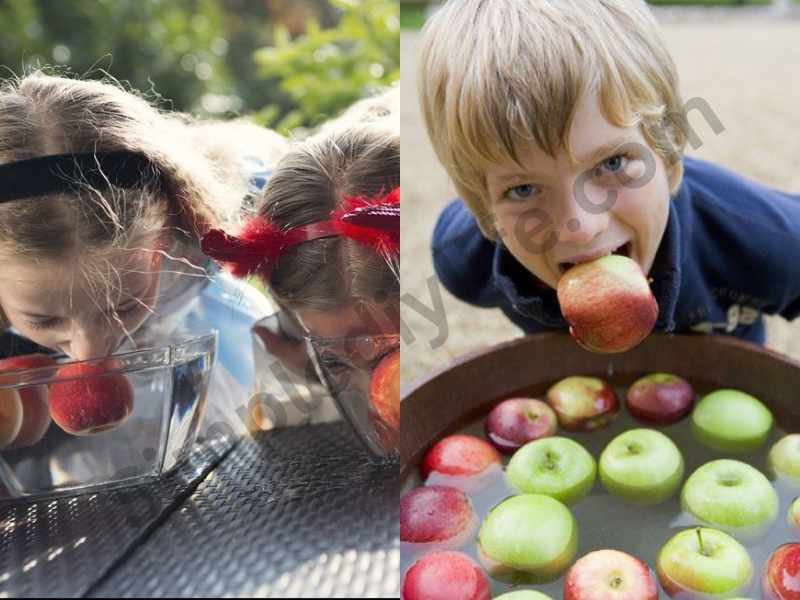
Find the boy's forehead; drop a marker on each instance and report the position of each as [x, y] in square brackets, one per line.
[591, 136]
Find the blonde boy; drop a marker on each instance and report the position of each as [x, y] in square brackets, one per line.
[562, 127]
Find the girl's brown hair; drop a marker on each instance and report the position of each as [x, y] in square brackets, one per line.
[357, 155]
[44, 115]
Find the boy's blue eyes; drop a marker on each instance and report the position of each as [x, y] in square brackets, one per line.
[520, 192]
[612, 165]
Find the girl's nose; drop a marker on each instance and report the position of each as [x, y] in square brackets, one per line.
[90, 341]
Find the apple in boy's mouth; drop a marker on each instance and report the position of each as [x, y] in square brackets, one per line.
[607, 303]
[625, 250]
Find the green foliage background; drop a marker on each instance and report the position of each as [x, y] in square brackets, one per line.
[288, 62]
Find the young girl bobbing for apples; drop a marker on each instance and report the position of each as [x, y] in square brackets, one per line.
[325, 242]
[103, 202]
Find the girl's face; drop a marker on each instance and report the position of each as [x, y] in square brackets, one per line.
[352, 320]
[84, 313]
[354, 339]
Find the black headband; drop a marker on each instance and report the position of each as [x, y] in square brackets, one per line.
[71, 172]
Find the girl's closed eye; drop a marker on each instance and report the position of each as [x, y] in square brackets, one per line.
[126, 309]
[49, 323]
[520, 193]
[334, 363]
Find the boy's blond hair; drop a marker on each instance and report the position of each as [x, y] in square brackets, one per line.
[495, 74]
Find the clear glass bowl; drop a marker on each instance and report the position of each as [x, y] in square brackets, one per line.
[350, 367]
[162, 388]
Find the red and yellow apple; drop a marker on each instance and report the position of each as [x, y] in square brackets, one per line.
[10, 416]
[608, 304]
[583, 403]
[610, 575]
[89, 400]
[35, 412]
[384, 390]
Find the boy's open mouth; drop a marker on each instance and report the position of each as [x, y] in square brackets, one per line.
[624, 250]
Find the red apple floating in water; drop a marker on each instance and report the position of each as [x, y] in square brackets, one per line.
[583, 403]
[10, 416]
[436, 514]
[35, 412]
[459, 455]
[517, 421]
[445, 576]
[781, 580]
[96, 401]
[660, 398]
[610, 575]
[608, 304]
[384, 390]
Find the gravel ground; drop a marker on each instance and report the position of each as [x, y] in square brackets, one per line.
[746, 69]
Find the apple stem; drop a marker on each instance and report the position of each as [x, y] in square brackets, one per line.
[700, 539]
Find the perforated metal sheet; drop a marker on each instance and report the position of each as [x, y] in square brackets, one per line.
[300, 512]
[61, 548]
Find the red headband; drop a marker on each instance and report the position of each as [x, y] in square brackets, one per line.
[374, 222]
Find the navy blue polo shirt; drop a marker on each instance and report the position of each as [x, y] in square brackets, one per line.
[730, 253]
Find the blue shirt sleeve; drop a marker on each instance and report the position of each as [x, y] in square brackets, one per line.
[463, 257]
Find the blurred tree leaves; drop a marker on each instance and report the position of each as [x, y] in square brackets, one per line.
[324, 70]
[215, 56]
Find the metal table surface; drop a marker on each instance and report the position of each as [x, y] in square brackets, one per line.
[299, 512]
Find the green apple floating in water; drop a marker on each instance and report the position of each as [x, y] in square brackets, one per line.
[529, 538]
[731, 496]
[642, 466]
[556, 466]
[783, 460]
[731, 421]
[608, 303]
[794, 514]
[524, 595]
[704, 563]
